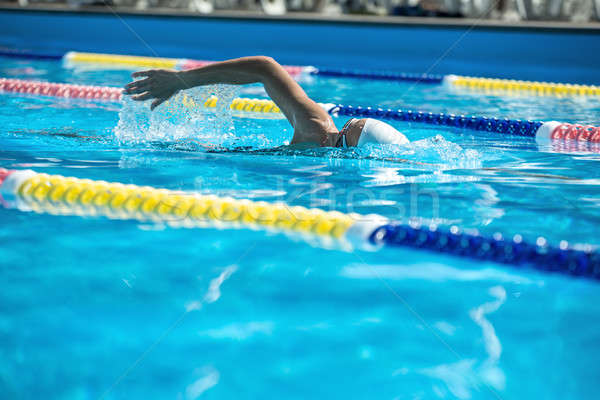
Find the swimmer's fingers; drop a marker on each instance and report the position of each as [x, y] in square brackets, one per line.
[143, 96]
[148, 72]
[138, 82]
[142, 83]
[138, 89]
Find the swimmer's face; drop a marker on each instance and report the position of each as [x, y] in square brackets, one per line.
[352, 129]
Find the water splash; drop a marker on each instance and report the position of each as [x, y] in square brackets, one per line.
[181, 118]
[434, 151]
[184, 124]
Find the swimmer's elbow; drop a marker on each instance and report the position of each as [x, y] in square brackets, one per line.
[267, 67]
[261, 63]
[267, 61]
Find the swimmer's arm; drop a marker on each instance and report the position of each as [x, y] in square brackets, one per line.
[298, 108]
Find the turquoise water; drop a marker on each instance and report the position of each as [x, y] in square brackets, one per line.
[95, 308]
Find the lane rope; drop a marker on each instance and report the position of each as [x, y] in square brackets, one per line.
[493, 85]
[531, 87]
[374, 75]
[27, 190]
[543, 132]
[22, 54]
[472, 83]
[114, 59]
[60, 89]
[74, 58]
[108, 93]
[55, 194]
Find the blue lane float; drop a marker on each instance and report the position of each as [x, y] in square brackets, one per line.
[484, 124]
[29, 55]
[373, 75]
[516, 252]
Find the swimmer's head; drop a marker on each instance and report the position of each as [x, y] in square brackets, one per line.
[359, 132]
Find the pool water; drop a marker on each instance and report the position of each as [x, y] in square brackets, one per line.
[96, 308]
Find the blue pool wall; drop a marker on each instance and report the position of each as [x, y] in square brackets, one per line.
[564, 55]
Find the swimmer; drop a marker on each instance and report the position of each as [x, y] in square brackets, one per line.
[312, 125]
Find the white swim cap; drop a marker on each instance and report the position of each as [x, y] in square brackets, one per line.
[376, 131]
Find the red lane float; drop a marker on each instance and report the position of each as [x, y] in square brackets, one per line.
[558, 131]
[583, 133]
[568, 138]
[4, 173]
[60, 89]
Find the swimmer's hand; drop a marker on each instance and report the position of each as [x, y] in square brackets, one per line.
[158, 84]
